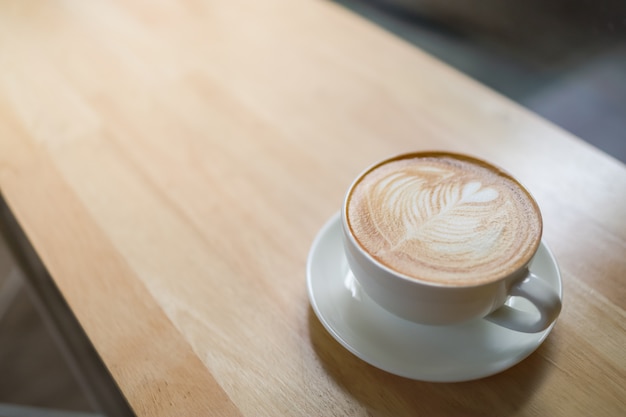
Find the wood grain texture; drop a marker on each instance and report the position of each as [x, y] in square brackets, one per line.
[172, 163]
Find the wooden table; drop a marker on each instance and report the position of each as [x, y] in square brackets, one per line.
[171, 163]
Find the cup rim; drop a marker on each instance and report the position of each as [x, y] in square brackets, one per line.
[436, 153]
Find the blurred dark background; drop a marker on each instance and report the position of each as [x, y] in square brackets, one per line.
[563, 59]
[35, 379]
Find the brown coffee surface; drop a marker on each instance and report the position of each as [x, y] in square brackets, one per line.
[444, 218]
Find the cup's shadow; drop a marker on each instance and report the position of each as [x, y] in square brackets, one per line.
[385, 394]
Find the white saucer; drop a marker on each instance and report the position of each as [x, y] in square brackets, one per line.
[456, 353]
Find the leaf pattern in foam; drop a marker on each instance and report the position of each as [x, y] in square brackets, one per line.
[433, 209]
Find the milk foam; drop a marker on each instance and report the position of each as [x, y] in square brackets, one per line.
[444, 219]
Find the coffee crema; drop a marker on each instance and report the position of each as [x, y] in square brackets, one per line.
[444, 218]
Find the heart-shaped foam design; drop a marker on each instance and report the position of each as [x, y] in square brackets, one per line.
[444, 219]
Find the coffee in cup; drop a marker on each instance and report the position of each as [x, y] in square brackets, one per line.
[440, 238]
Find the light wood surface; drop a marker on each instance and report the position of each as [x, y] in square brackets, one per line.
[172, 162]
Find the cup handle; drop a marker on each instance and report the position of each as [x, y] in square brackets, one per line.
[537, 291]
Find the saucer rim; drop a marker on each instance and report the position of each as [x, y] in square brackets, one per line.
[333, 222]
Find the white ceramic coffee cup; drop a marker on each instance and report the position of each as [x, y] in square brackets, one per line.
[431, 303]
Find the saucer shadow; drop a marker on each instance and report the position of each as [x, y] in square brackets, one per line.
[385, 394]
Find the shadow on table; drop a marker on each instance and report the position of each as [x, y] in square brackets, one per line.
[387, 394]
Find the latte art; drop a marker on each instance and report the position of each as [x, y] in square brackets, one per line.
[443, 218]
